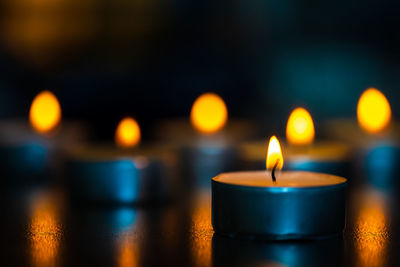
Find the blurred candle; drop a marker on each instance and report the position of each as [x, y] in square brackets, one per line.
[124, 174]
[206, 144]
[30, 155]
[302, 153]
[375, 138]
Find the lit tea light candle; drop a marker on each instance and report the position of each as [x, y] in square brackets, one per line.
[124, 174]
[373, 123]
[209, 122]
[273, 205]
[302, 153]
[205, 143]
[31, 154]
[374, 136]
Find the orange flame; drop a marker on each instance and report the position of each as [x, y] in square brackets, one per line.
[300, 128]
[274, 154]
[45, 112]
[373, 111]
[209, 113]
[127, 134]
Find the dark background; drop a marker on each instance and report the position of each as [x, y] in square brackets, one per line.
[105, 59]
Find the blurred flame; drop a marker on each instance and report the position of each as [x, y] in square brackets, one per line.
[209, 113]
[274, 154]
[373, 111]
[300, 127]
[45, 112]
[128, 133]
[45, 233]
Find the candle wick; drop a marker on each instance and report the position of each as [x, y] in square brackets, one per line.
[273, 171]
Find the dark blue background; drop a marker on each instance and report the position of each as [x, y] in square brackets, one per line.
[108, 58]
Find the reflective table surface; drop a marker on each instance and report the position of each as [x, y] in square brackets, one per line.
[41, 227]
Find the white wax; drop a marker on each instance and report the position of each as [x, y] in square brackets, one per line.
[283, 179]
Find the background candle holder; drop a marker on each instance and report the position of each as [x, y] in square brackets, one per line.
[204, 156]
[108, 175]
[29, 158]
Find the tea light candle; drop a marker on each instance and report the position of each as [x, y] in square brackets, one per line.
[302, 153]
[123, 175]
[205, 142]
[374, 138]
[29, 152]
[291, 205]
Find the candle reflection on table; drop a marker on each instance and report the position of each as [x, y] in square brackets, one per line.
[243, 252]
[128, 249]
[371, 229]
[45, 231]
[201, 230]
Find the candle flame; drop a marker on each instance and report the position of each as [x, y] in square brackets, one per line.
[274, 154]
[45, 112]
[127, 134]
[300, 128]
[373, 111]
[209, 113]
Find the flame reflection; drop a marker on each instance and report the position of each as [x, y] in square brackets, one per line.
[128, 255]
[126, 243]
[45, 232]
[202, 232]
[371, 232]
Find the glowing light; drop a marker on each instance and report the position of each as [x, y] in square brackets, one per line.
[45, 112]
[128, 255]
[127, 133]
[201, 243]
[45, 233]
[373, 111]
[209, 113]
[300, 127]
[372, 232]
[274, 154]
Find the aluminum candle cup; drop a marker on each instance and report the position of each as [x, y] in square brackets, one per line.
[202, 156]
[115, 177]
[377, 156]
[300, 205]
[27, 157]
[202, 162]
[325, 157]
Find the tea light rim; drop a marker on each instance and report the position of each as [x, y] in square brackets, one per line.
[282, 189]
